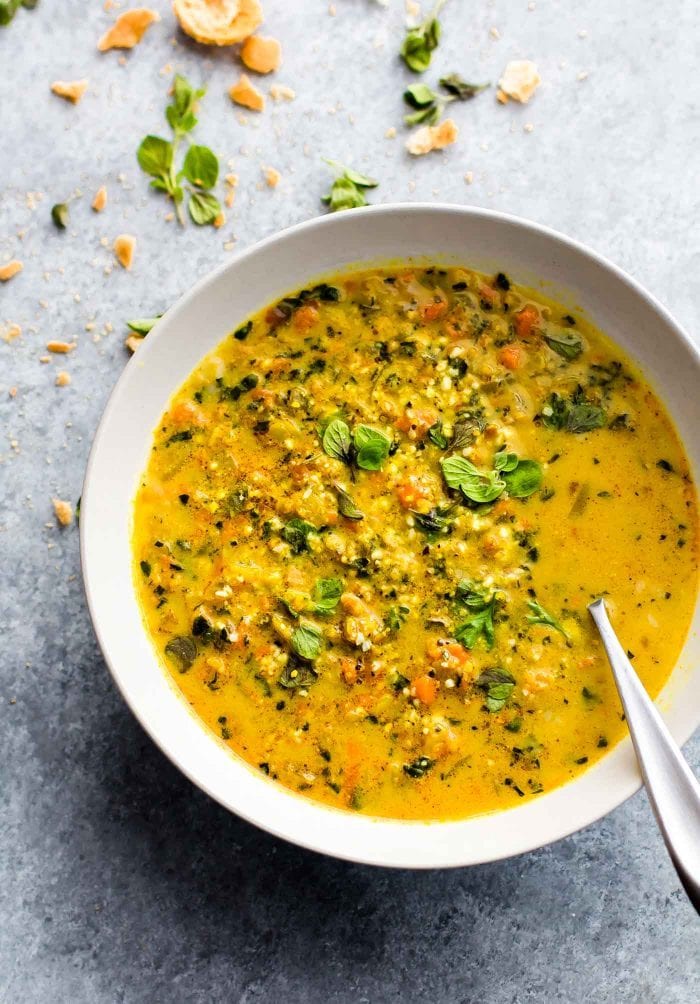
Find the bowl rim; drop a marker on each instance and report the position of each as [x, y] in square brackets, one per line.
[624, 789]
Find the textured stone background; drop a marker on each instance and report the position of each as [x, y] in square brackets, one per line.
[120, 881]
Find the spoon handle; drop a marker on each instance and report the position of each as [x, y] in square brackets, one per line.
[673, 791]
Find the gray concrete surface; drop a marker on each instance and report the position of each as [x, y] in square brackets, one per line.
[118, 880]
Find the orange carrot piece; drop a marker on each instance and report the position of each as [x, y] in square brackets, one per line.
[426, 689]
[525, 320]
[511, 356]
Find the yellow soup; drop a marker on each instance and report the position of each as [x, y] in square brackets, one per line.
[370, 525]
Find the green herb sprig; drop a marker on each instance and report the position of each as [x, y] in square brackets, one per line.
[365, 447]
[348, 189]
[498, 684]
[157, 157]
[521, 478]
[539, 615]
[429, 105]
[422, 40]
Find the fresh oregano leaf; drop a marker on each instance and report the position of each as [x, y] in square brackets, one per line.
[306, 641]
[203, 208]
[201, 166]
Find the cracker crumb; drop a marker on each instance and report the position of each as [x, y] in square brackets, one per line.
[61, 348]
[413, 9]
[64, 511]
[62, 378]
[219, 221]
[520, 80]
[432, 138]
[262, 55]
[528, 127]
[10, 270]
[69, 90]
[166, 70]
[390, 133]
[582, 75]
[169, 217]
[331, 9]
[229, 245]
[11, 332]
[244, 93]
[583, 33]
[280, 92]
[494, 33]
[124, 246]
[218, 22]
[12, 392]
[272, 177]
[132, 343]
[100, 200]
[128, 30]
[44, 359]
[469, 177]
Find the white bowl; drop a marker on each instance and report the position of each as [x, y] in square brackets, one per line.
[478, 238]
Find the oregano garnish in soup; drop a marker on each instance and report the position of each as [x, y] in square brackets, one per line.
[370, 525]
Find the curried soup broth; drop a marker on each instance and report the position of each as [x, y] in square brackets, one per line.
[370, 525]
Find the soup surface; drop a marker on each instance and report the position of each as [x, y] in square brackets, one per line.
[370, 525]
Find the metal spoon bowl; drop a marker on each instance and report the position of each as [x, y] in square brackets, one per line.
[673, 790]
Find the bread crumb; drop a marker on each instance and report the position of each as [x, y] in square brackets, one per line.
[528, 127]
[494, 33]
[11, 332]
[390, 133]
[229, 245]
[60, 347]
[583, 75]
[124, 246]
[12, 392]
[70, 90]
[10, 269]
[262, 55]
[272, 177]
[100, 200]
[62, 378]
[132, 343]
[469, 177]
[166, 70]
[432, 138]
[280, 92]
[219, 221]
[520, 80]
[64, 511]
[128, 30]
[218, 22]
[244, 93]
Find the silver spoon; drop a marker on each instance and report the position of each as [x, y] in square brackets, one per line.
[673, 791]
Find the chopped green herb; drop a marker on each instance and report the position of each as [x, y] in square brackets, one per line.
[371, 447]
[346, 504]
[437, 436]
[498, 684]
[296, 533]
[419, 767]
[540, 616]
[395, 619]
[420, 42]
[296, 675]
[566, 344]
[476, 485]
[142, 325]
[463, 91]
[306, 641]
[145, 567]
[348, 189]
[183, 650]
[60, 215]
[326, 595]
